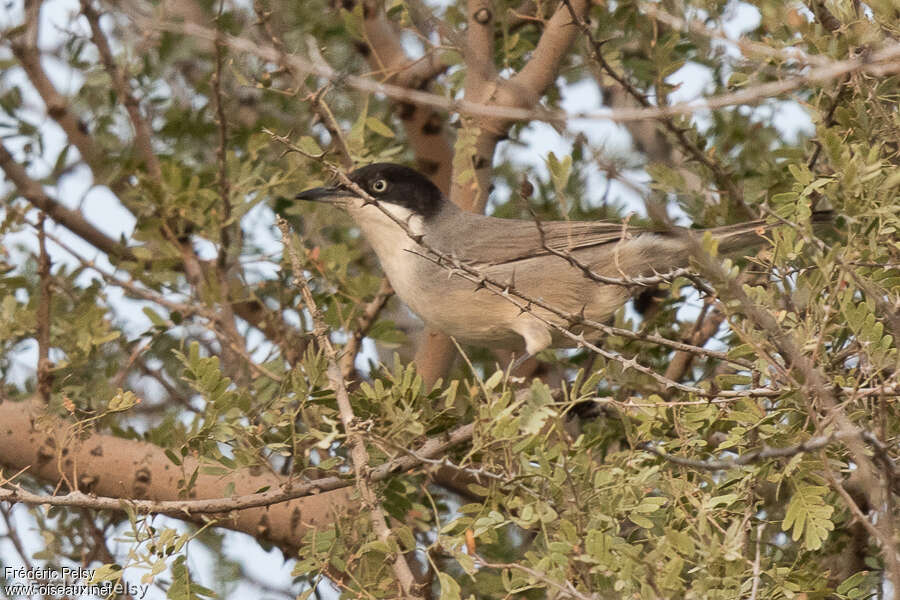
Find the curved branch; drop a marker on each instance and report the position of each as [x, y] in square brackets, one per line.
[105, 465]
[282, 491]
[72, 220]
[358, 453]
[555, 42]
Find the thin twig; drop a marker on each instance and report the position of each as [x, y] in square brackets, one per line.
[44, 374]
[358, 453]
[364, 322]
[883, 61]
[566, 590]
[755, 456]
[142, 132]
[12, 492]
[757, 562]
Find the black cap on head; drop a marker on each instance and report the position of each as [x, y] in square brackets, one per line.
[388, 182]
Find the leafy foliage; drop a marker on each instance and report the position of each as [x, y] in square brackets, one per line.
[596, 481]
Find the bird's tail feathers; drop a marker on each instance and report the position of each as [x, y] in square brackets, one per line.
[743, 235]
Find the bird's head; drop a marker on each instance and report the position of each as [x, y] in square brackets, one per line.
[386, 182]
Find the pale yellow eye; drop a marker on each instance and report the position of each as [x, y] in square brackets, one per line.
[379, 185]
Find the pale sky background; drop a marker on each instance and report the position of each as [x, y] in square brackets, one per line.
[103, 210]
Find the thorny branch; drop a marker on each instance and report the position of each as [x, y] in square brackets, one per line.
[73, 220]
[767, 452]
[364, 322]
[179, 508]
[722, 177]
[566, 590]
[45, 377]
[358, 453]
[527, 303]
[883, 61]
[317, 100]
[628, 282]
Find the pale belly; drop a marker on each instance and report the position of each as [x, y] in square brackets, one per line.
[456, 308]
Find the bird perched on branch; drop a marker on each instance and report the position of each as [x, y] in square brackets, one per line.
[448, 265]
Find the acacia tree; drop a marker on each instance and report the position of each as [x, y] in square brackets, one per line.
[188, 367]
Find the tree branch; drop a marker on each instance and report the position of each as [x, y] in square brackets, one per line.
[278, 491]
[883, 61]
[122, 469]
[764, 453]
[44, 375]
[142, 134]
[358, 453]
[72, 220]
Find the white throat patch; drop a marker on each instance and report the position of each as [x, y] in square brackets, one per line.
[371, 216]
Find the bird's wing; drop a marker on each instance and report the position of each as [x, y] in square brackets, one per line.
[520, 240]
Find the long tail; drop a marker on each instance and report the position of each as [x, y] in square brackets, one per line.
[743, 235]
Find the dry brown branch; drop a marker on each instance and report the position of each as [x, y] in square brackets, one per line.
[44, 375]
[25, 49]
[637, 281]
[364, 322]
[425, 132]
[726, 396]
[123, 470]
[142, 133]
[187, 310]
[764, 453]
[72, 220]
[217, 504]
[358, 453]
[880, 62]
[705, 328]
[721, 175]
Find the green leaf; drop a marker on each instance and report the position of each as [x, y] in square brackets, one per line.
[106, 573]
[494, 380]
[122, 401]
[449, 588]
[641, 521]
[808, 516]
[378, 127]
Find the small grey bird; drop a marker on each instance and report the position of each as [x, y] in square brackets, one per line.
[509, 251]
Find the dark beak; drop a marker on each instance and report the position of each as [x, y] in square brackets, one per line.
[322, 193]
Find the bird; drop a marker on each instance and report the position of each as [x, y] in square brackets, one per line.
[410, 220]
